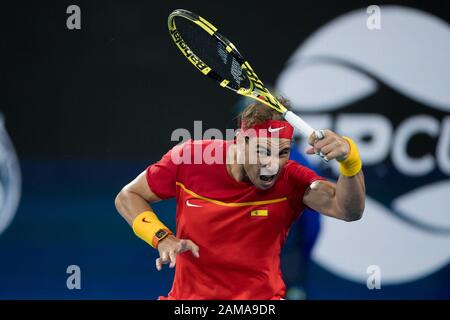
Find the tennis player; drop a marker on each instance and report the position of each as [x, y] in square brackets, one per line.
[233, 216]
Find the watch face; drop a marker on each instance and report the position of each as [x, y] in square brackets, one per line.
[160, 233]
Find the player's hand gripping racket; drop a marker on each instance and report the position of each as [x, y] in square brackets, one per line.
[216, 57]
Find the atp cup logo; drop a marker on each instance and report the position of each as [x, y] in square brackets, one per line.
[9, 179]
[389, 89]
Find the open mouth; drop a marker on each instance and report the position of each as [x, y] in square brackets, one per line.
[267, 178]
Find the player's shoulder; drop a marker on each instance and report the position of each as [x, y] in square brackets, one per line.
[203, 143]
[293, 165]
[199, 151]
[295, 171]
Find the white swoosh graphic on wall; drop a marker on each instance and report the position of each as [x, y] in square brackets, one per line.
[337, 66]
[421, 72]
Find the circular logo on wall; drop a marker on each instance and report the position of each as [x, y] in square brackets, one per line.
[389, 90]
[10, 181]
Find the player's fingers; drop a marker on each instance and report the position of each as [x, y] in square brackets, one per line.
[194, 248]
[164, 257]
[329, 147]
[312, 151]
[314, 137]
[173, 259]
[319, 144]
[158, 264]
[182, 246]
[334, 154]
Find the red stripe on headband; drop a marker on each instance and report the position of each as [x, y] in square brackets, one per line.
[270, 129]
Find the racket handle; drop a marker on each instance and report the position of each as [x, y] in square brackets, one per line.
[305, 129]
[298, 123]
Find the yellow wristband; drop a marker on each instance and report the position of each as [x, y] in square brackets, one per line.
[351, 165]
[149, 228]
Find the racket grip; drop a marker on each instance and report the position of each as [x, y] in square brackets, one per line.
[305, 129]
[298, 123]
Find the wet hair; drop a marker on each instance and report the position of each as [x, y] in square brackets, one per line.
[257, 112]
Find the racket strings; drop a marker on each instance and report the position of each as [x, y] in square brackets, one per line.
[212, 52]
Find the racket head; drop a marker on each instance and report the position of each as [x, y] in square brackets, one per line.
[216, 57]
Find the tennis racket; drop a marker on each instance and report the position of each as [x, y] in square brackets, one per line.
[217, 58]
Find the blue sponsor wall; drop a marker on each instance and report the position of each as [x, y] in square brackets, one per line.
[67, 217]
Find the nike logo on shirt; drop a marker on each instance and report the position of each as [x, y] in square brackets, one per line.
[274, 129]
[192, 205]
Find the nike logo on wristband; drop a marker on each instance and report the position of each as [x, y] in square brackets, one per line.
[143, 220]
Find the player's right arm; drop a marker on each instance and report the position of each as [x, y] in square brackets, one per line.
[132, 203]
[134, 198]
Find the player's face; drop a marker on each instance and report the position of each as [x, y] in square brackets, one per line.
[265, 157]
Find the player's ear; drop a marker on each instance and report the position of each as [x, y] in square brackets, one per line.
[242, 142]
[237, 133]
[239, 138]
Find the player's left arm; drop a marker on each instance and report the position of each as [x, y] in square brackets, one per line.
[345, 199]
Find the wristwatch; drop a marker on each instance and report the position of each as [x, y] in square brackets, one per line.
[159, 235]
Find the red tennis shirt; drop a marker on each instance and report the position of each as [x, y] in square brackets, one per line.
[239, 229]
